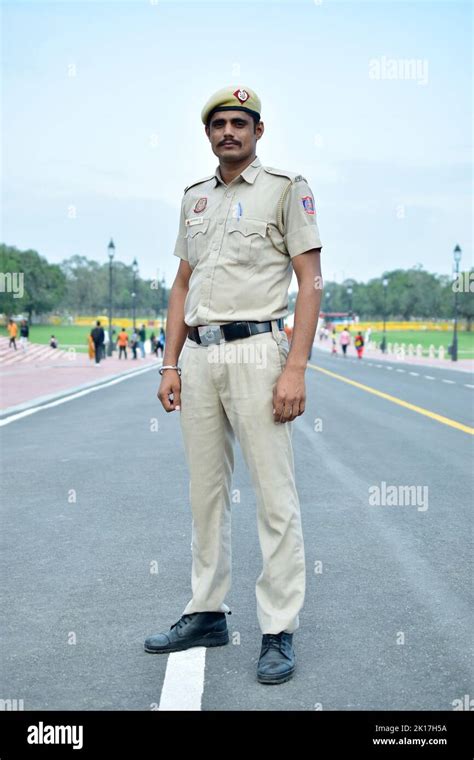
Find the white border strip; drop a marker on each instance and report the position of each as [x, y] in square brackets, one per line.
[184, 680]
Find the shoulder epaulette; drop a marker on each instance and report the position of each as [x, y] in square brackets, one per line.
[293, 177]
[198, 182]
[283, 173]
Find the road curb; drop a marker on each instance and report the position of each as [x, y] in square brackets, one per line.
[42, 400]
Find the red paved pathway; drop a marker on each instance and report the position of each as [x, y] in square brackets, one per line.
[42, 371]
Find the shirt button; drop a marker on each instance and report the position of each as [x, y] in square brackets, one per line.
[228, 195]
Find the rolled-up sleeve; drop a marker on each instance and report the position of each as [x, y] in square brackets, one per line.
[299, 220]
[181, 246]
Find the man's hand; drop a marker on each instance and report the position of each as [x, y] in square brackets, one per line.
[170, 384]
[289, 395]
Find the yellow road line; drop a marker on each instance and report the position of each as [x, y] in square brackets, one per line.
[399, 401]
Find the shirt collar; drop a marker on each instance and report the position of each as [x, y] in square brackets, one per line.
[249, 174]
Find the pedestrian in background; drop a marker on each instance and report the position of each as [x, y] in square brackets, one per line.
[97, 335]
[24, 334]
[142, 339]
[345, 340]
[105, 346]
[359, 344]
[12, 331]
[90, 347]
[134, 344]
[161, 342]
[122, 343]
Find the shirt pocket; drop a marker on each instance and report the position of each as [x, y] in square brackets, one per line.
[197, 240]
[245, 240]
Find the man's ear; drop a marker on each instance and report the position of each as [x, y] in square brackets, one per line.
[259, 129]
[208, 132]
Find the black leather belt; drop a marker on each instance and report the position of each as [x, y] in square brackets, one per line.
[231, 331]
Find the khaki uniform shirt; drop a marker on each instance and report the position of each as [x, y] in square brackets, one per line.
[240, 260]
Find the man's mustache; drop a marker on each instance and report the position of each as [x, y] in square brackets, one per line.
[228, 142]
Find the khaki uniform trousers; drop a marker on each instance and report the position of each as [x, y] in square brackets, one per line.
[226, 392]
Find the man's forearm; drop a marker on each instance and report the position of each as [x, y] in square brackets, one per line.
[307, 307]
[176, 328]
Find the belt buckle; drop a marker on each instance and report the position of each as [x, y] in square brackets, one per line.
[209, 334]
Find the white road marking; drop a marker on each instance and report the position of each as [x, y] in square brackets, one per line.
[400, 370]
[388, 367]
[428, 377]
[448, 381]
[34, 409]
[184, 680]
[466, 385]
[417, 374]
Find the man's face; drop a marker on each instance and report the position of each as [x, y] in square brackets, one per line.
[233, 135]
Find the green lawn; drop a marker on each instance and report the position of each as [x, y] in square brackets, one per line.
[426, 338]
[67, 335]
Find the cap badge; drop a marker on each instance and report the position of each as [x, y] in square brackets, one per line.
[241, 95]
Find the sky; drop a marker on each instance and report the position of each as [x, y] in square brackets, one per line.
[369, 101]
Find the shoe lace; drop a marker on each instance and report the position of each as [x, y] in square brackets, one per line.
[272, 641]
[184, 620]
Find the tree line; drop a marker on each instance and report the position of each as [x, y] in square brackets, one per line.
[80, 286]
[77, 286]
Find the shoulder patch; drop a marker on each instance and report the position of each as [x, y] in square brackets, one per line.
[292, 176]
[198, 182]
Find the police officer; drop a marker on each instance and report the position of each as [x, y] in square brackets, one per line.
[243, 231]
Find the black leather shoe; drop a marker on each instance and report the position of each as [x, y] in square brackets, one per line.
[198, 629]
[277, 658]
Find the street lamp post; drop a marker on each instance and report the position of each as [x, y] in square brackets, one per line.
[111, 250]
[384, 339]
[454, 348]
[162, 301]
[134, 293]
[349, 293]
[327, 296]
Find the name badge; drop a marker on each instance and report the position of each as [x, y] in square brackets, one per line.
[196, 220]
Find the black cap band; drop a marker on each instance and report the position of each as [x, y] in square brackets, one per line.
[233, 108]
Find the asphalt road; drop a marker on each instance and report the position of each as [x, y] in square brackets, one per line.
[93, 496]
